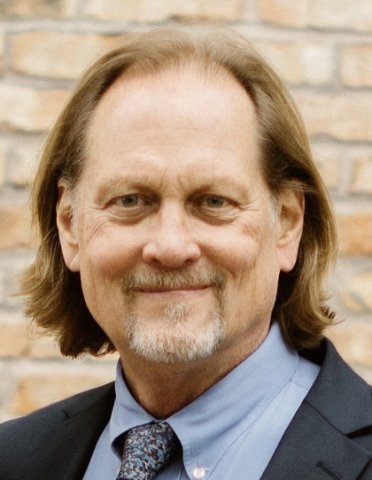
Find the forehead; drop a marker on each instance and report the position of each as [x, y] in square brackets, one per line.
[180, 90]
[185, 112]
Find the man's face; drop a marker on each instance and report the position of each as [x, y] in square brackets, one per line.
[177, 240]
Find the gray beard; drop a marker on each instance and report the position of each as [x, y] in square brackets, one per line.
[176, 340]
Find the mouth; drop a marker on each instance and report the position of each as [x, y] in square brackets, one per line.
[183, 289]
[163, 284]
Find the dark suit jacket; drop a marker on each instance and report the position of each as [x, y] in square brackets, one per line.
[330, 437]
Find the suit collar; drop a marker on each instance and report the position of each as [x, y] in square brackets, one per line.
[317, 444]
[339, 395]
[85, 417]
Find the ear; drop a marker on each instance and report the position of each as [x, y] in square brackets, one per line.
[67, 227]
[291, 207]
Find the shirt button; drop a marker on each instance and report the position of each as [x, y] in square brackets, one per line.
[199, 473]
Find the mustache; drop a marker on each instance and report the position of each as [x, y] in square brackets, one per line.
[172, 279]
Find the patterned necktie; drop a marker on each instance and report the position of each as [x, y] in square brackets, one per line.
[147, 448]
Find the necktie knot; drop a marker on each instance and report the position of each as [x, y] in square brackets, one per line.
[147, 449]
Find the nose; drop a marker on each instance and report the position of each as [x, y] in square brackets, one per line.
[172, 241]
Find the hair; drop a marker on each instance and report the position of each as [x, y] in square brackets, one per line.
[54, 295]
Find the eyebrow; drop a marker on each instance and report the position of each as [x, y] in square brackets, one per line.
[115, 182]
[145, 180]
[221, 185]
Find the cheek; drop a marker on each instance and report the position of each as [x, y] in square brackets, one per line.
[235, 250]
[100, 275]
[110, 255]
[251, 262]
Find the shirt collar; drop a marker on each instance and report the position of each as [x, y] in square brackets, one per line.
[208, 426]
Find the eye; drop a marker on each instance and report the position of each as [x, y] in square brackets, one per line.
[215, 208]
[214, 201]
[130, 200]
[131, 206]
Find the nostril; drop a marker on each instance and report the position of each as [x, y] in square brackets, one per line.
[175, 254]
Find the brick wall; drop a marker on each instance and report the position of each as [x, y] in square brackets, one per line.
[323, 49]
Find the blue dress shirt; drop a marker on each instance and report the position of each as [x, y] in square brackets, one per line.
[232, 430]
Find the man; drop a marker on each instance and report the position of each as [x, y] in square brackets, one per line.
[183, 224]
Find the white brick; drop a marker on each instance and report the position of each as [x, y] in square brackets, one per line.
[343, 117]
[2, 164]
[55, 54]
[303, 62]
[150, 11]
[341, 14]
[356, 65]
[285, 12]
[30, 109]
[24, 157]
[37, 8]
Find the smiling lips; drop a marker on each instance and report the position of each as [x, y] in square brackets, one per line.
[179, 289]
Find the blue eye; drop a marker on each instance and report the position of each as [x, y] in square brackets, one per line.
[130, 200]
[131, 207]
[215, 201]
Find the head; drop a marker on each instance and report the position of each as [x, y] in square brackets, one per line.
[55, 296]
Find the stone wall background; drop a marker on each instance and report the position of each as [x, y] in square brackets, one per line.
[323, 50]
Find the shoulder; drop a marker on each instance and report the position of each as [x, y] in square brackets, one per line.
[58, 412]
[67, 426]
[336, 376]
[341, 396]
[330, 435]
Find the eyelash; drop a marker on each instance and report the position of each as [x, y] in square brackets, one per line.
[210, 207]
[131, 195]
[218, 199]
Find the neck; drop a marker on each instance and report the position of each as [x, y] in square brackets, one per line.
[163, 389]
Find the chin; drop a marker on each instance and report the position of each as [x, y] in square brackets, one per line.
[178, 343]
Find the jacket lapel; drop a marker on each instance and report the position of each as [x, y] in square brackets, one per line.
[312, 449]
[81, 426]
[323, 441]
